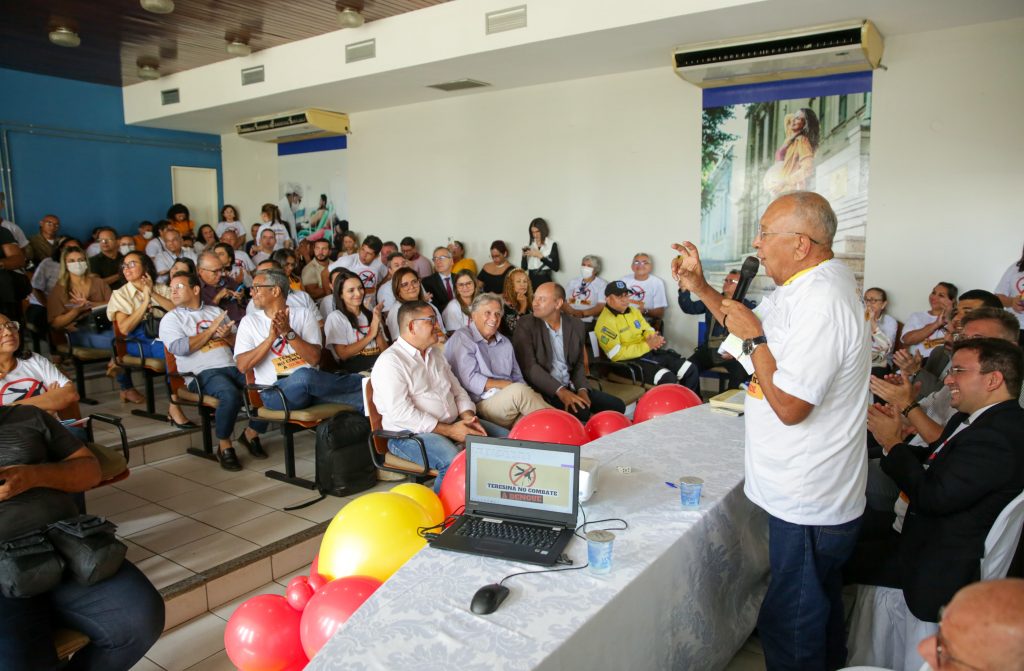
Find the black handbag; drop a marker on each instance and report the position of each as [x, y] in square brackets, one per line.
[151, 325]
[90, 550]
[29, 565]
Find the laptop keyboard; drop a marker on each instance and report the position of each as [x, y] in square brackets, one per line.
[510, 532]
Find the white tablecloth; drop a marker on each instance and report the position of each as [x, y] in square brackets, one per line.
[683, 592]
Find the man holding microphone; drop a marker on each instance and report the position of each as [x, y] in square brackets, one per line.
[806, 410]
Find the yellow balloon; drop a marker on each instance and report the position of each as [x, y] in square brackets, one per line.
[424, 496]
[372, 536]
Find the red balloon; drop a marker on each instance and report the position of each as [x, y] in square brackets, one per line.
[298, 592]
[662, 400]
[263, 635]
[550, 426]
[605, 422]
[315, 567]
[453, 486]
[316, 581]
[330, 607]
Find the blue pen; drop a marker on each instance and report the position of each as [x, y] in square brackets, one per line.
[672, 485]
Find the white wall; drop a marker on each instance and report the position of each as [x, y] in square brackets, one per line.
[250, 175]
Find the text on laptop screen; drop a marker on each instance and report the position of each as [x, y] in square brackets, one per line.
[521, 477]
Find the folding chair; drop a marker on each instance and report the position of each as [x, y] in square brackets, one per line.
[207, 405]
[383, 458]
[150, 367]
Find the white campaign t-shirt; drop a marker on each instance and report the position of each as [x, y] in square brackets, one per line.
[584, 296]
[919, 320]
[338, 331]
[651, 291]
[235, 226]
[181, 323]
[30, 378]
[1012, 284]
[814, 472]
[295, 299]
[371, 275]
[282, 358]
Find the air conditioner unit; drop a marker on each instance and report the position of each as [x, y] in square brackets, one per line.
[852, 46]
[294, 126]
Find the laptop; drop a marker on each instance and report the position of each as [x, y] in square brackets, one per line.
[521, 500]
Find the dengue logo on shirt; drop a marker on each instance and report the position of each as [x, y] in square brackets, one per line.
[277, 347]
[1020, 285]
[522, 475]
[369, 279]
[582, 295]
[637, 293]
[19, 390]
[203, 325]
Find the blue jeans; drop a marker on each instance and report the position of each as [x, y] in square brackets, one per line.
[309, 386]
[440, 450]
[101, 340]
[801, 619]
[226, 385]
[122, 615]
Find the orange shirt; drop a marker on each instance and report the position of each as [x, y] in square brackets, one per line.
[184, 227]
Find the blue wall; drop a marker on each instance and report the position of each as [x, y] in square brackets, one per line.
[81, 162]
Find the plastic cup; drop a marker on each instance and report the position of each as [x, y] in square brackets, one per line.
[689, 492]
[599, 551]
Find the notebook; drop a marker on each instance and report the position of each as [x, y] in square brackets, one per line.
[521, 500]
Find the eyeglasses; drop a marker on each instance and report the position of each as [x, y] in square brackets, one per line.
[432, 320]
[256, 287]
[215, 270]
[106, 240]
[465, 285]
[13, 327]
[129, 264]
[410, 283]
[442, 256]
[943, 658]
[641, 263]
[732, 281]
[764, 234]
[179, 285]
[959, 370]
[874, 300]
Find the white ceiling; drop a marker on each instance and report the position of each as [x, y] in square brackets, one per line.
[622, 49]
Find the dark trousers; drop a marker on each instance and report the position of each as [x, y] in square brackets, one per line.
[599, 402]
[652, 363]
[703, 359]
[801, 619]
[227, 386]
[123, 616]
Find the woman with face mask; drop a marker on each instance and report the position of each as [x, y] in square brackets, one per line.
[584, 297]
[126, 244]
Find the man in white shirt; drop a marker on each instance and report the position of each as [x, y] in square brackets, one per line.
[172, 250]
[416, 391]
[200, 337]
[806, 410]
[367, 266]
[294, 299]
[647, 292]
[282, 346]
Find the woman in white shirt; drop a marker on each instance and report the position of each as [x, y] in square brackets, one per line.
[406, 286]
[883, 327]
[584, 297]
[924, 331]
[540, 257]
[229, 220]
[1010, 292]
[456, 313]
[352, 332]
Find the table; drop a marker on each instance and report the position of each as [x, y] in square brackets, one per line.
[683, 592]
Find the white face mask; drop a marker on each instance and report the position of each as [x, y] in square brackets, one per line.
[587, 272]
[126, 249]
[147, 235]
[78, 268]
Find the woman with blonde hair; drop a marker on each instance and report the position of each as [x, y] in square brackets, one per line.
[518, 296]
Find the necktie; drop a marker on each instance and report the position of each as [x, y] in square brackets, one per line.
[448, 286]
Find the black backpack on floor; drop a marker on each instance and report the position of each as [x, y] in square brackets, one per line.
[343, 463]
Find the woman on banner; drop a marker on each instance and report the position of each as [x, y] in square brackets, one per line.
[794, 160]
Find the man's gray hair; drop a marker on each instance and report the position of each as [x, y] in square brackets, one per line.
[818, 213]
[275, 277]
[210, 255]
[594, 261]
[481, 299]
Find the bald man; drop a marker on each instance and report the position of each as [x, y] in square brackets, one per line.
[981, 628]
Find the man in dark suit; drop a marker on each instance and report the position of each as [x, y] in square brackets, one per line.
[549, 349]
[440, 285]
[956, 487]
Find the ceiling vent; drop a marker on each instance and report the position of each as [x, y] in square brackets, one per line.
[170, 97]
[458, 85]
[294, 126]
[360, 51]
[853, 46]
[501, 20]
[252, 75]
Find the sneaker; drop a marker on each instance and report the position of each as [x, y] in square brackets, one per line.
[254, 446]
[229, 460]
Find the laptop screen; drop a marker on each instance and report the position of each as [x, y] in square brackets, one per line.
[522, 478]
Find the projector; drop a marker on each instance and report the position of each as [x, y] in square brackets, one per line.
[588, 477]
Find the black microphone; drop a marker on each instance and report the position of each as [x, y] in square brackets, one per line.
[747, 273]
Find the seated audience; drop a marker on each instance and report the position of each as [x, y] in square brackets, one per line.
[492, 275]
[883, 329]
[956, 487]
[924, 331]
[12, 259]
[1010, 292]
[485, 364]
[297, 299]
[387, 249]
[625, 336]
[200, 337]
[647, 292]
[235, 260]
[586, 292]
[326, 304]
[92, 247]
[267, 240]
[123, 615]
[416, 260]
[385, 294]
[183, 264]
[216, 289]
[180, 219]
[206, 238]
[172, 251]
[40, 246]
[107, 263]
[144, 235]
[456, 313]
[315, 273]
[19, 236]
[251, 246]
[289, 262]
[270, 215]
[459, 260]
[540, 257]
[27, 378]
[156, 244]
[354, 334]
[549, 347]
[44, 278]
[282, 346]
[365, 265]
[415, 390]
[440, 284]
[406, 287]
[706, 355]
[230, 221]
[518, 297]
[126, 245]
[348, 243]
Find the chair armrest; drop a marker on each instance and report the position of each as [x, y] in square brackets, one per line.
[115, 421]
[185, 381]
[126, 340]
[405, 435]
[266, 387]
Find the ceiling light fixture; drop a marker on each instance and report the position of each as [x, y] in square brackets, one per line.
[239, 48]
[63, 36]
[158, 6]
[350, 18]
[149, 71]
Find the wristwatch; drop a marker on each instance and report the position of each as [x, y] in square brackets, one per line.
[292, 335]
[750, 344]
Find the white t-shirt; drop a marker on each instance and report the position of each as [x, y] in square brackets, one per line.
[244, 264]
[371, 275]
[650, 291]
[385, 296]
[154, 247]
[338, 331]
[184, 323]
[584, 296]
[92, 250]
[279, 230]
[29, 378]
[919, 320]
[392, 320]
[326, 306]
[19, 235]
[295, 299]
[44, 279]
[814, 472]
[235, 226]
[165, 259]
[453, 316]
[1012, 284]
[282, 358]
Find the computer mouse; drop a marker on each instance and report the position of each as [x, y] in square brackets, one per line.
[488, 598]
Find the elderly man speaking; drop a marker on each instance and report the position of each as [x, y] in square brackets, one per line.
[806, 409]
